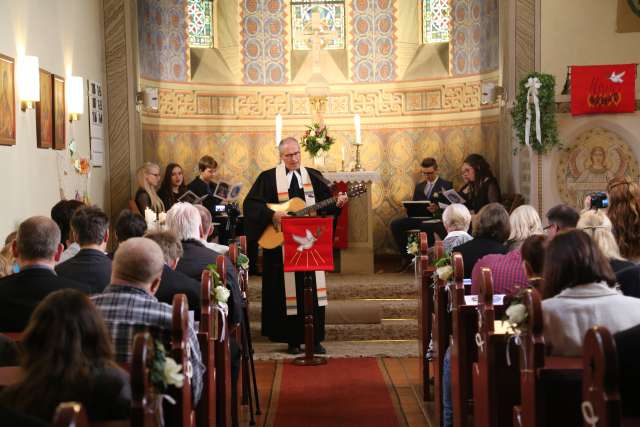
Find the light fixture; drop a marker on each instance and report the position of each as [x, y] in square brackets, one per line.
[28, 81]
[75, 97]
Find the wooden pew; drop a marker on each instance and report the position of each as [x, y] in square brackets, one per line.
[440, 331]
[550, 387]
[182, 413]
[424, 281]
[464, 319]
[496, 387]
[223, 361]
[206, 410]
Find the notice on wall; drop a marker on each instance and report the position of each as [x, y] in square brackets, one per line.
[96, 111]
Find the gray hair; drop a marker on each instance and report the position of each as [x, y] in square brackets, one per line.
[138, 261]
[205, 218]
[456, 217]
[524, 221]
[286, 140]
[184, 220]
[38, 238]
[168, 242]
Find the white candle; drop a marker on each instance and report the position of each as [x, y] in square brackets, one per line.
[343, 153]
[356, 122]
[278, 129]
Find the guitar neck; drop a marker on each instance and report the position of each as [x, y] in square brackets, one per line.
[321, 205]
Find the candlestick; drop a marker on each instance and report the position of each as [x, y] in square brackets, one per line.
[356, 123]
[278, 129]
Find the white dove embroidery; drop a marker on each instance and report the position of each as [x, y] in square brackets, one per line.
[306, 242]
[616, 78]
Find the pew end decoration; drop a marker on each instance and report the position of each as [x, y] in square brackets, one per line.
[219, 293]
[534, 115]
[243, 261]
[316, 139]
[413, 246]
[444, 270]
[165, 371]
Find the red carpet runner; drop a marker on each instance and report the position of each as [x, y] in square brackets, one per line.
[345, 392]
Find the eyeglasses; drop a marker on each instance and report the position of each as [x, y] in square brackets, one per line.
[548, 227]
[292, 155]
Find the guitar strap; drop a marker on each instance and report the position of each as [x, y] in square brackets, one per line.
[282, 186]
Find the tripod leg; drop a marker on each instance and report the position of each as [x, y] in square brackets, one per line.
[253, 366]
[245, 379]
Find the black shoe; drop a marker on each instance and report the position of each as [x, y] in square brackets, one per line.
[294, 349]
[319, 349]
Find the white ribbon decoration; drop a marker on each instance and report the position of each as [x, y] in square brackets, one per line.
[533, 84]
[479, 341]
[223, 309]
[160, 410]
[517, 341]
[588, 414]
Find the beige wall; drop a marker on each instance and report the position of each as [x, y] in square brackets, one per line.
[582, 32]
[66, 35]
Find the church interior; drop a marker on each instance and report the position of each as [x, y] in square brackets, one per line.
[511, 117]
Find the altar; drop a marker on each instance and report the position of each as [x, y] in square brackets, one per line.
[358, 257]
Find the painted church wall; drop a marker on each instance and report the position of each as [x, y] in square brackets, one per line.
[582, 32]
[66, 36]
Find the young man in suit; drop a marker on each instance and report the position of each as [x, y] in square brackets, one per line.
[37, 248]
[429, 189]
[90, 226]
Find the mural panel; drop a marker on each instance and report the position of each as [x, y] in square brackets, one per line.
[373, 27]
[474, 36]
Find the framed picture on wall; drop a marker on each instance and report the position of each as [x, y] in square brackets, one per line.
[44, 111]
[59, 142]
[7, 101]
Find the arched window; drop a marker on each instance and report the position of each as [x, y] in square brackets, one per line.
[331, 21]
[435, 21]
[200, 23]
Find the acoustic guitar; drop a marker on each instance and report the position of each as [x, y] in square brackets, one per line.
[272, 237]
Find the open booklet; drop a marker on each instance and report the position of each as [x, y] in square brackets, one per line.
[191, 197]
[453, 197]
[227, 192]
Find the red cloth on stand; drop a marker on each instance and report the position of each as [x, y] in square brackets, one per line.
[603, 89]
[308, 243]
[341, 237]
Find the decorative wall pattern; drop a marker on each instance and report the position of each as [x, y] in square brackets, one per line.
[396, 154]
[474, 36]
[374, 50]
[163, 40]
[264, 41]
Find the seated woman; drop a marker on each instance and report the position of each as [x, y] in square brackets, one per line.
[579, 293]
[173, 185]
[148, 176]
[506, 270]
[481, 187]
[624, 213]
[67, 355]
[456, 219]
[532, 251]
[598, 226]
[490, 231]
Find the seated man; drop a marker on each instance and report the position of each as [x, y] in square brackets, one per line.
[428, 190]
[173, 282]
[128, 304]
[61, 213]
[561, 217]
[91, 265]
[36, 249]
[128, 225]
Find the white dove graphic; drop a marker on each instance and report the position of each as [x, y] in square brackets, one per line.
[306, 242]
[616, 78]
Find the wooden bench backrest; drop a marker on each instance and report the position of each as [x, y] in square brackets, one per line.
[440, 331]
[600, 393]
[223, 361]
[206, 409]
[423, 272]
[182, 413]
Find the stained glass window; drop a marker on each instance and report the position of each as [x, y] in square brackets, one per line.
[200, 23]
[331, 14]
[435, 21]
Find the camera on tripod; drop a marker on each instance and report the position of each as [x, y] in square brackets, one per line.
[599, 200]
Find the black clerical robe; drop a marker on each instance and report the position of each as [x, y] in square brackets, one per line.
[276, 325]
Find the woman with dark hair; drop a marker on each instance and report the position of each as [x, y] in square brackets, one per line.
[67, 355]
[172, 186]
[624, 213]
[490, 229]
[579, 291]
[480, 187]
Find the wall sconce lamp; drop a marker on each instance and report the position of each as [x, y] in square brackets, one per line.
[75, 96]
[28, 81]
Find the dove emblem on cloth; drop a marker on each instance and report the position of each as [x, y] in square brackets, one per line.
[305, 242]
[616, 78]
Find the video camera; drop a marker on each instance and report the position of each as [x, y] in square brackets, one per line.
[599, 200]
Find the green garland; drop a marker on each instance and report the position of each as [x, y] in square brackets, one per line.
[548, 126]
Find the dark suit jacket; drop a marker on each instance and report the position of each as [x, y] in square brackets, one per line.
[196, 257]
[628, 349]
[475, 249]
[21, 292]
[440, 186]
[174, 282]
[628, 276]
[89, 266]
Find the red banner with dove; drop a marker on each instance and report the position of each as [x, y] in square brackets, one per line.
[308, 244]
[603, 89]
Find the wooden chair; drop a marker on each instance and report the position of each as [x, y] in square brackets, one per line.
[440, 331]
[496, 387]
[464, 320]
[182, 413]
[549, 386]
[206, 409]
[424, 280]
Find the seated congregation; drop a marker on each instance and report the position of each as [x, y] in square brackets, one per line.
[525, 328]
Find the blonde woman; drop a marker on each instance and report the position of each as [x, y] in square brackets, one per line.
[598, 226]
[524, 222]
[148, 176]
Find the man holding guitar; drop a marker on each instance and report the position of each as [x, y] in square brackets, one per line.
[272, 197]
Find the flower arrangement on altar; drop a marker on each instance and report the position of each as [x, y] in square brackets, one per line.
[316, 139]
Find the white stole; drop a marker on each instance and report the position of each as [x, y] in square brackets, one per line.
[282, 185]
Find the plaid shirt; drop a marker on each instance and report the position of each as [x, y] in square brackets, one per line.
[128, 310]
[506, 270]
